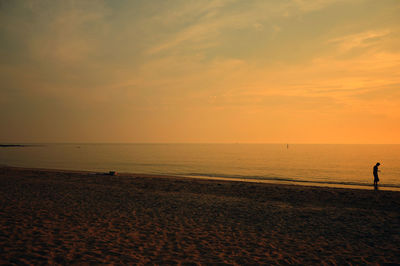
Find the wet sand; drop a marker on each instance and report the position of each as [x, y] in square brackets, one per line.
[65, 217]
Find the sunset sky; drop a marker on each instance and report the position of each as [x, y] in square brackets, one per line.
[268, 71]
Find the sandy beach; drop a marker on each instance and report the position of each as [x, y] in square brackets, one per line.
[66, 217]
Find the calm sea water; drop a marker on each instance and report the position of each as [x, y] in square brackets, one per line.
[324, 165]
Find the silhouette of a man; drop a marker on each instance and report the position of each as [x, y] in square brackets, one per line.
[376, 178]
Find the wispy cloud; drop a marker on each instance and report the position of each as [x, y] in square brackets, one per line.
[308, 6]
[210, 22]
[360, 40]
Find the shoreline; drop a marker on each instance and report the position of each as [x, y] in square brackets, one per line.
[232, 179]
[71, 217]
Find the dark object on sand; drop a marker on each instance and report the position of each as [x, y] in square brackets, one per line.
[112, 173]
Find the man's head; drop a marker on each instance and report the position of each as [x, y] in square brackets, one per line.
[377, 164]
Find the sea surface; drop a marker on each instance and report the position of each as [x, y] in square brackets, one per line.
[304, 164]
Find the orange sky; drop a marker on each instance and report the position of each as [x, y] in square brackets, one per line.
[267, 71]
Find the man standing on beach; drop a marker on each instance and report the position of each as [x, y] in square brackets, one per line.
[376, 178]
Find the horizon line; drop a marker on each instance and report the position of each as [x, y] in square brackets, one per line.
[275, 143]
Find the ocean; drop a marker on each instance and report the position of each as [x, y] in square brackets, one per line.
[303, 164]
